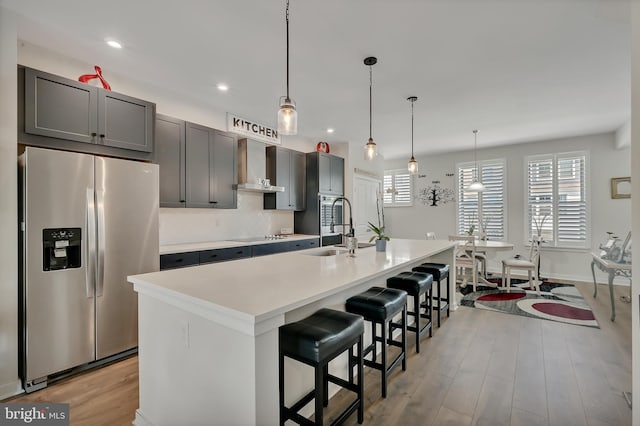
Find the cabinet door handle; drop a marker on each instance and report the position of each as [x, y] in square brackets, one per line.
[101, 135]
[94, 134]
[182, 201]
[213, 202]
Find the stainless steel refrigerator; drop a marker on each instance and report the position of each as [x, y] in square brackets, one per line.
[86, 222]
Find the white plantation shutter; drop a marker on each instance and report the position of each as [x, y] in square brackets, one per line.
[557, 200]
[487, 205]
[387, 188]
[493, 199]
[572, 203]
[398, 188]
[467, 200]
[540, 197]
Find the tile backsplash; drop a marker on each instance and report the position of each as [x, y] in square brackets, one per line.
[199, 225]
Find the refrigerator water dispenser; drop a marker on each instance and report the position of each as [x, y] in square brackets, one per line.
[61, 248]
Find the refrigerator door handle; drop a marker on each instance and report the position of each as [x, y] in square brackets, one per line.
[90, 245]
[101, 242]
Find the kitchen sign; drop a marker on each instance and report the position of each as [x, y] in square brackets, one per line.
[252, 130]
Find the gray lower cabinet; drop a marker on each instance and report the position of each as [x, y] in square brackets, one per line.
[211, 170]
[57, 107]
[170, 154]
[180, 260]
[223, 254]
[286, 167]
[303, 244]
[271, 248]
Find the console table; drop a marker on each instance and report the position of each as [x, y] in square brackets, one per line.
[613, 270]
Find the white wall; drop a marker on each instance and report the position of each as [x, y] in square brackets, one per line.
[199, 225]
[9, 383]
[635, 167]
[183, 225]
[606, 214]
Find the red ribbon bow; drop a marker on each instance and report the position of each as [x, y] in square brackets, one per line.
[84, 78]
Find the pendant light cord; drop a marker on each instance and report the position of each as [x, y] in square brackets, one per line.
[412, 129]
[370, 98]
[475, 151]
[287, 18]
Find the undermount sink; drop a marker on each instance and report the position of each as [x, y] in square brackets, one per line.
[326, 252]
[360, 245]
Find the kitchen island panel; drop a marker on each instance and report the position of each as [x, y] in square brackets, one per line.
[187, 373]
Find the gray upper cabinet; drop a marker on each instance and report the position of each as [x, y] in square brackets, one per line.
[125, 122]
[330, 171]
[60, 108]
[223, 160]
[57, 107]
[211, 171]
[286, 168]
[170, 154]
[298, 180]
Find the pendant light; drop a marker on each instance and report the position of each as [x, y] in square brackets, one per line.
[476, 185]
[413, 164]
[370, 149]
[287, 114]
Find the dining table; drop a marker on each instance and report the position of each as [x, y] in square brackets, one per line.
[490, 246]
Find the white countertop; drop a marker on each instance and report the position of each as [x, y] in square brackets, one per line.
[209, 245]
[246, 292]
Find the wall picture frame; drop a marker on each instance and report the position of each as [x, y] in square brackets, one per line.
[621, 187]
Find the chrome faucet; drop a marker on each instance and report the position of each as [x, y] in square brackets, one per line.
[352, 232]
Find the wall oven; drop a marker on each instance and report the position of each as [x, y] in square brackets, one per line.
[327, 210]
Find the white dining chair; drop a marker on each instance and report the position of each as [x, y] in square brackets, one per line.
[465, 259]
[530, 265]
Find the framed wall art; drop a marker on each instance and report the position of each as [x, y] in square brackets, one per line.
[621, 187]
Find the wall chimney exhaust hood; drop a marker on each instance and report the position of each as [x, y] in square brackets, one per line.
[252, 167]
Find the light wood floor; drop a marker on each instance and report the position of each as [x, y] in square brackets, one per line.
[480, 368]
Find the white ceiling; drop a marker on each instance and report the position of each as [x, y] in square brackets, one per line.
[517, 70]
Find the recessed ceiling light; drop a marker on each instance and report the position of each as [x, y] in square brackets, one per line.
[114, 44]
[222, 87]
[330, 130]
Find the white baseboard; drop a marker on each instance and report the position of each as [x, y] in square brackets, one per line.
[141, 420]
[10, 389]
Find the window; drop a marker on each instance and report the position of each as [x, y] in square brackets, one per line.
[484, 211]
[557, 198]
[398, 188]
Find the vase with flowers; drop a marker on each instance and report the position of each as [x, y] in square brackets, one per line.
[380, 236]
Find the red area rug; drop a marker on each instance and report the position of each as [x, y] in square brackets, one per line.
[557, 302]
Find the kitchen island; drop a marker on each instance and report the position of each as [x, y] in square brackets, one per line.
[208, 335]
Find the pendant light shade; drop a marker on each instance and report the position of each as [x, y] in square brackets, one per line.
[370, 149]
[287, 117]
[287, 114]
[476, 185]
[413, 164]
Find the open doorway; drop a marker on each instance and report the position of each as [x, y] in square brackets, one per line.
[365, 190]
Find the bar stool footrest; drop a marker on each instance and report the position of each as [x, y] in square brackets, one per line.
[342, 382]
[293, 410]
[346, 413]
